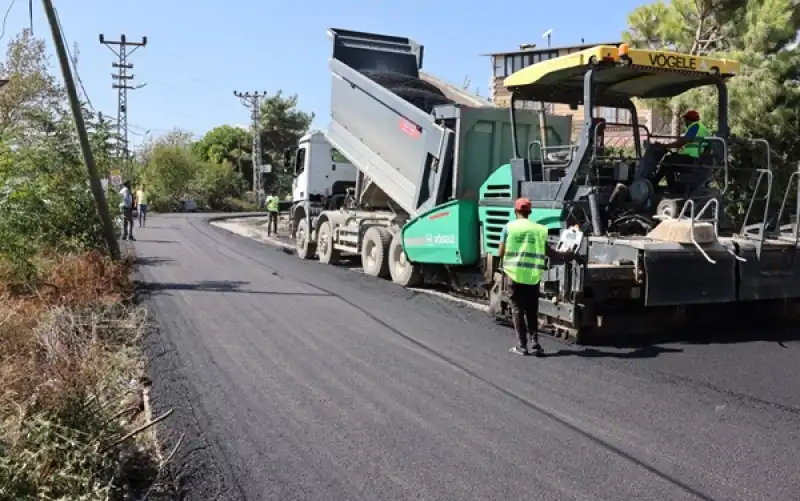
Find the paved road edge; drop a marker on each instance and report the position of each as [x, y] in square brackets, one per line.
[195, 470]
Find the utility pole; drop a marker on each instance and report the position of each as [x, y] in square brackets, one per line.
[253, 101]
[80, 126]
[122, 82]
[239, 160]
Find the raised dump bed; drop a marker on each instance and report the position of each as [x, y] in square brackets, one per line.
[382, 121]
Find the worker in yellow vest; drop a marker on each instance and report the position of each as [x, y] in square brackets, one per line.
[523, 249]
[272, 211]
[684, 162]
[681, 169]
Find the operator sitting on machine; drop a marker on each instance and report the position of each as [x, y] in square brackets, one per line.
[676, 163]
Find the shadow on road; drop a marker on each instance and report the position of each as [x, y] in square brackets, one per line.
[152, 261]
[151, 241]
[641, 352]
[224, 286]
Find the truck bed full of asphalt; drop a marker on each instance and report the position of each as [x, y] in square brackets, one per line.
[293, 380]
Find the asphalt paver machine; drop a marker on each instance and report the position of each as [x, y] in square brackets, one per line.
[652, 258]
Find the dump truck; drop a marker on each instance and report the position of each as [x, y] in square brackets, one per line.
[415, 149]
[433, 192]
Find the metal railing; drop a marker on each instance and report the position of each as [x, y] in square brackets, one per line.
[698, 217]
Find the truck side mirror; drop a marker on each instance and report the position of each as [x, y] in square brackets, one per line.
[287, 159]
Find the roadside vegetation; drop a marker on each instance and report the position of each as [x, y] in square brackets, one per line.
[71, 374]
[216, 171]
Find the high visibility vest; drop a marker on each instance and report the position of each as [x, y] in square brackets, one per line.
[694, 149]
[524, 259]
[272, 204]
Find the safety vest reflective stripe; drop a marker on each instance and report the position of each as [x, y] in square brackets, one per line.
[524, 259]
[694, 148]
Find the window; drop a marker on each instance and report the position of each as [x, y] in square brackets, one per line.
[300, 161]
[614, 115]
[607, 114]
[513, 63]
[499, 66]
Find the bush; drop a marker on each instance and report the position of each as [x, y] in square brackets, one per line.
[69, 385]
[174, 173]
[46, 205]
[215, 185]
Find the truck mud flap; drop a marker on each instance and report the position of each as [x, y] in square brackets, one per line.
[681, 278]
[773, 275]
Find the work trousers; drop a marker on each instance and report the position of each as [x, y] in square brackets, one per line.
[127, 222]
[525, 310]
[272, 223]
[142, 214]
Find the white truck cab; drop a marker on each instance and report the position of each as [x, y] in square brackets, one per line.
[320, 182]
[317, 174]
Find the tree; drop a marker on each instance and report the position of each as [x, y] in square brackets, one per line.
[45, 201]
[765, 97]
[282, 126]
[32, 99]
[226, 143]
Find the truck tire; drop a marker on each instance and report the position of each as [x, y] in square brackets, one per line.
[375, 252]
[325, 251]
[393, 81]
[302, 241]
[402, 271]
[420, 98]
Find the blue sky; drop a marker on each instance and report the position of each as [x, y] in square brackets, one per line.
[199, 52]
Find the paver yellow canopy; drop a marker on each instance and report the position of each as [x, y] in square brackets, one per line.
[655, 257]
[625, 73]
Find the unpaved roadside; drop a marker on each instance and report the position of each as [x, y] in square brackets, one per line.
[256, 228]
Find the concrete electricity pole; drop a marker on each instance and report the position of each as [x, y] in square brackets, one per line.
[80, 126]
[253, 101]
[122, 82]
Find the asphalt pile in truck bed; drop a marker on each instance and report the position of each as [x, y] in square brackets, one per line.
[422, 94]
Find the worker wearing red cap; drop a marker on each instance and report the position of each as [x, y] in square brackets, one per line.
[689, 150]
[523, 248]
[689, 144]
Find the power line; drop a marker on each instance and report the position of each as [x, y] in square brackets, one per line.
[123, 86]
[5, 19]
[72, 60]
[253, 102]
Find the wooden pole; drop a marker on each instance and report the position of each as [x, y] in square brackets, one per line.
[83, 137]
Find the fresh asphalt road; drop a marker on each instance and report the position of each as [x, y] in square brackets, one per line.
[293, 380]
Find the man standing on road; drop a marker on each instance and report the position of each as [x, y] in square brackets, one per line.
[141, 197]
[126, 206]
[523, 248]
[272, 210]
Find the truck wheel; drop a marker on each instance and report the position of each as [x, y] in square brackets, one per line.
[403, 272]
[302, 241]
[374, 252]
[327, 254]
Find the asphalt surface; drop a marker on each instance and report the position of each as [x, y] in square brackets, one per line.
[293, 380]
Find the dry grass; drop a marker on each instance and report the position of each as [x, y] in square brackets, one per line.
[70, 382]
